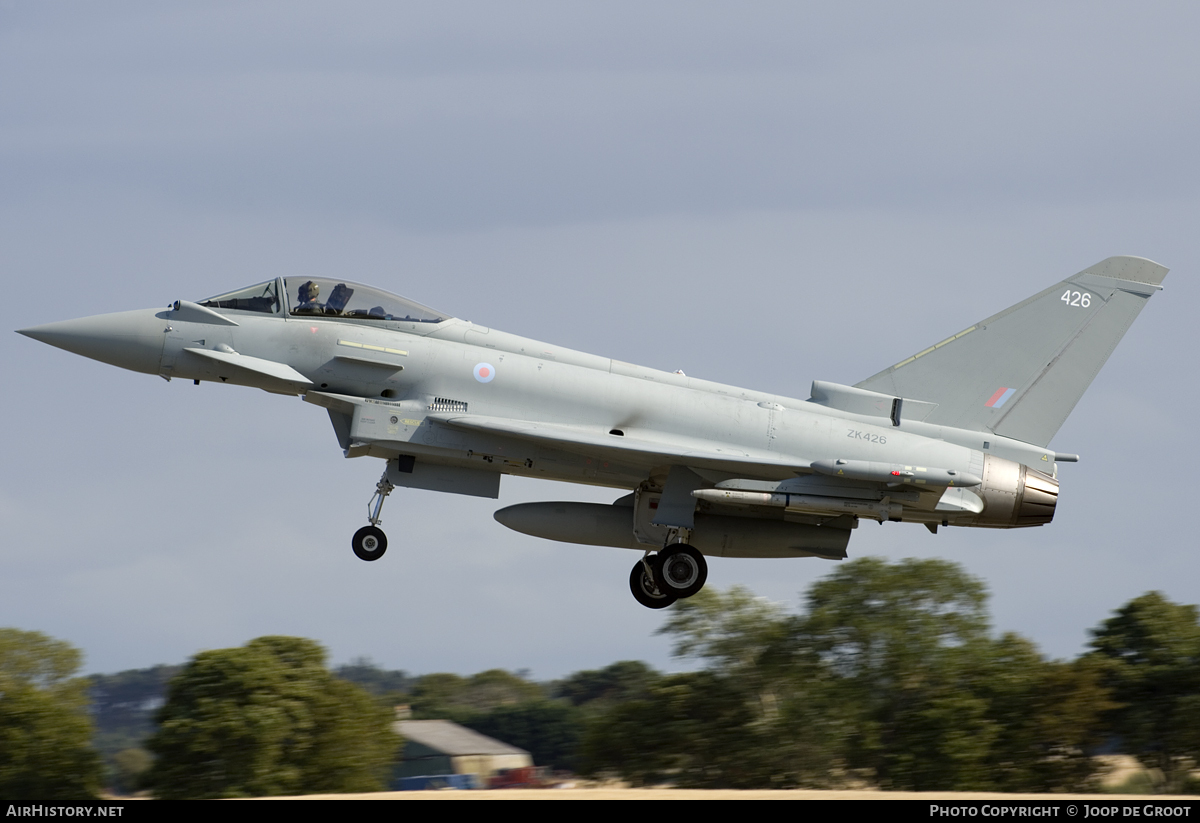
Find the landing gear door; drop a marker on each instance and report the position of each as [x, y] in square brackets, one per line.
[644, 508]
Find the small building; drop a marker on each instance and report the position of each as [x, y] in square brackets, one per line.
[442, 747]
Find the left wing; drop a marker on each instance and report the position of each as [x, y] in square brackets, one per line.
[652, 447]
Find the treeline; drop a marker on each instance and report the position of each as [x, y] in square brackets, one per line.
[888, 676]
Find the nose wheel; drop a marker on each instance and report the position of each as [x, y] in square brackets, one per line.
[369, 542]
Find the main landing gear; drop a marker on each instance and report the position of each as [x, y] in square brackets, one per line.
[369, 542]
[642, 583]
[683, 570]
[676, 572]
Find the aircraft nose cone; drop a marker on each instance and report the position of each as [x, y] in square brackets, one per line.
[130, 339]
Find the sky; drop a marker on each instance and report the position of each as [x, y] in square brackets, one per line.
[758, 193]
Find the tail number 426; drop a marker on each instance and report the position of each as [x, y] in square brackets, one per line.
[1074, 298]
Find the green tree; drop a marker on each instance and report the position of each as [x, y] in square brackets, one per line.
[129, 767]
[905, 648]
[749, 643]
[752, 719]
[890, 675]
[45, 733]
[454, 697]
[695, 730]
[267, 719]
[395, 684]
[1050, 717]
[623, 680]
[730, 629]
[1151, 651]
[353, 746]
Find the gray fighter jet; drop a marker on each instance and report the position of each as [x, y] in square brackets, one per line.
[955, 435]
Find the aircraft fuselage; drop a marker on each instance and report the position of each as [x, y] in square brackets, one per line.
[452, 406]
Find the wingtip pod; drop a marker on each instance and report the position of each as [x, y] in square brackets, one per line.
[1133, 269]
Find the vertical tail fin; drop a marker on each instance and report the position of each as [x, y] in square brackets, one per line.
[1020, 372]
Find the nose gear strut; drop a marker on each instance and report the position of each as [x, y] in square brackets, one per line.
[369, 542]
[382, 489]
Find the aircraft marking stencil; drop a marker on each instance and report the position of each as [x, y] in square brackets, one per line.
[957, 434]
[998, 399]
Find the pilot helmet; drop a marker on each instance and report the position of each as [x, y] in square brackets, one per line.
[309, 292]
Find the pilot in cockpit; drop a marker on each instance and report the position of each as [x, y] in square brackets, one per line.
[308, 299]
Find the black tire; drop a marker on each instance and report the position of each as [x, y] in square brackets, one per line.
[643, 587]
[369, 543]
[682, 571]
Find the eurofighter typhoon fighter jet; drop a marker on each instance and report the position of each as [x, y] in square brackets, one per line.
[955, 435]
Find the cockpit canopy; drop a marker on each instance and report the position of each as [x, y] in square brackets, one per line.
[342, 299]
[262, 298]
[309, 296]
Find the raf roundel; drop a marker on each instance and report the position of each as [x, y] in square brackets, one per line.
[484, 372]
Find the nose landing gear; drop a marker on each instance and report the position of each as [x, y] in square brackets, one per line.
[369, 542]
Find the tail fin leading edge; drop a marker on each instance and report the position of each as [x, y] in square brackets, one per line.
[1020, 372]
